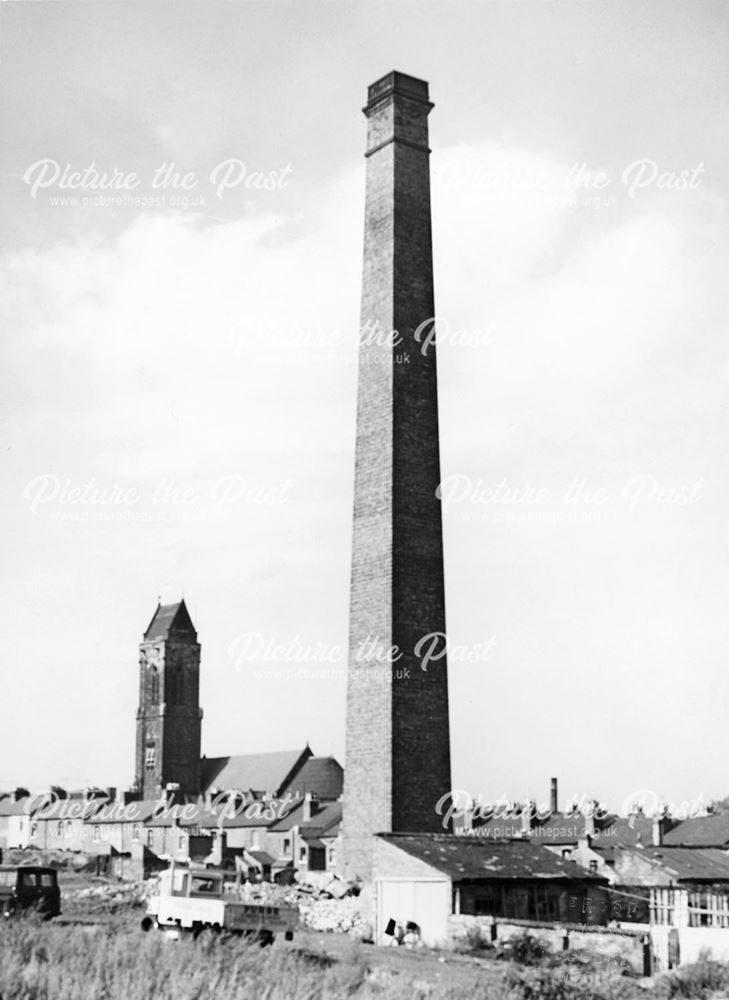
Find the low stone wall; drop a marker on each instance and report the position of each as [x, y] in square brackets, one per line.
[621, 944]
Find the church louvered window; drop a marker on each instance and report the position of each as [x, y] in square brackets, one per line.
[153, 686]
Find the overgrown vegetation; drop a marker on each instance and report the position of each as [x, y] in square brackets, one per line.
[473, 942]
[54, 962]
[702, 979]
[114, 961]
[524, 949]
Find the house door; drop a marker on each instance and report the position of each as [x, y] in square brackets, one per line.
[317, 859]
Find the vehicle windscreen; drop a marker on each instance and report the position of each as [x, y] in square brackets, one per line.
[7, 879]
[204, 885]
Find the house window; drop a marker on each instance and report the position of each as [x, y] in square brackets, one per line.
[59, 828]
[593, 867]
[150, 837]
[97, 833]
[135, 832]
[150, 756]
[34, 829]
[287, 845]
[181, 841]
[566, 851]
[302, 853]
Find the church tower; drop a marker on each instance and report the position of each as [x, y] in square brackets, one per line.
[169, 715]
[397, 733]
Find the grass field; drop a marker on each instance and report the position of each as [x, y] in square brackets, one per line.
[111, 958]
[114, 960]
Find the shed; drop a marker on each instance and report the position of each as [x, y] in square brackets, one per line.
[426, 878]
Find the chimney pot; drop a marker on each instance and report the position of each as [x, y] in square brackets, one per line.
[658, 829]
[553, 798]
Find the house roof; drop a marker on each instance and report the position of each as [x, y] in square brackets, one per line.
[257, 813]
[568, 828]
[69, 809]
[325, 822]
[170, 618]
[263, 857]
[257, 772]
[188, 814]
[471, 858]
[700, 831]
[688, 864]
[324, 817]
[10, 808]
[132, 812]
[322, 776]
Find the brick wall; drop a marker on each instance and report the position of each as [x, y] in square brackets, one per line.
[398, 748]
[169, 716]
[390, 861]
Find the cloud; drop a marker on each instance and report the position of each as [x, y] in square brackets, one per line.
[188, 351]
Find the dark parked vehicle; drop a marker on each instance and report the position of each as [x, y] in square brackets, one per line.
[27, 887]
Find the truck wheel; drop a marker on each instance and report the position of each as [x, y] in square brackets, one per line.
[147, 924]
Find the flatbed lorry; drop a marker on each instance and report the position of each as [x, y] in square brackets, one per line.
[195, 899]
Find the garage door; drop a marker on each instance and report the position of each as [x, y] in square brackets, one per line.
[427, 902]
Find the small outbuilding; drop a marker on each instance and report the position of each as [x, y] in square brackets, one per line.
[426, 879]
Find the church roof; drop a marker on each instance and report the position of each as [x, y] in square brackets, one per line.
[170, 618]
[252, 772]
[322, 776]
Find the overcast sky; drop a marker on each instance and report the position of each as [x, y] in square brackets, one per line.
[196, 360]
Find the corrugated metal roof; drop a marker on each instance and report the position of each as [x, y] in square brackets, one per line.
[471, 858]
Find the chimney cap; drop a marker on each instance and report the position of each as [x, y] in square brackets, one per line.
[398, 83]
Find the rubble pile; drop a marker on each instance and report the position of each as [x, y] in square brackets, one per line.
[109, 892]
[342, 916]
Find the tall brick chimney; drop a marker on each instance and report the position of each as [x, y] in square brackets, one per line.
[397, 736]
[553, 797]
